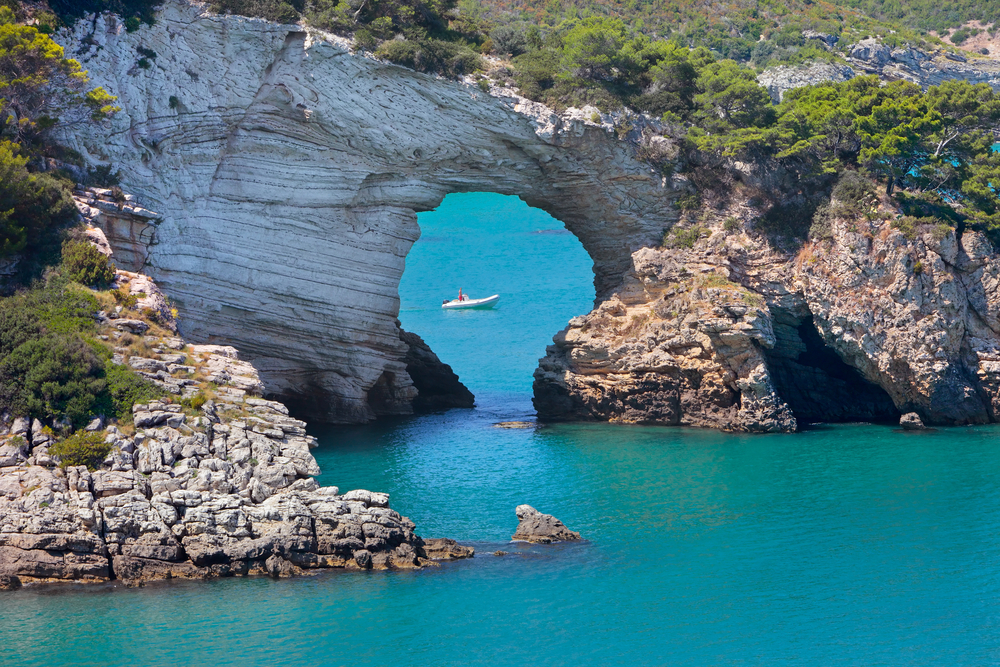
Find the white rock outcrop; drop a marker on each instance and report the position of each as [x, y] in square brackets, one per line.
[286, 173]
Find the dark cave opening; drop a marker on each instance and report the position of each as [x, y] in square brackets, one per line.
[816, 383]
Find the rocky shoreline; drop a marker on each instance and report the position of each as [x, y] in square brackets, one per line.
[873, 322]
[214, 487]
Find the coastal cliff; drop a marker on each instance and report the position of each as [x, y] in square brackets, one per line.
[286, 173]
[209, 481]
[872, 322]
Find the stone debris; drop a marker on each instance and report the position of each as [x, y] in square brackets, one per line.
[541, 528]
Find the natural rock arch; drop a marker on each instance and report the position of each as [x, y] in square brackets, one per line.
[288, 174]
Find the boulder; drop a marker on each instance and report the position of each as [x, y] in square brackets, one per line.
[911, 422]
[442, 548]
[9, 582]
[541, 528]
[871, 51]
[137, 327]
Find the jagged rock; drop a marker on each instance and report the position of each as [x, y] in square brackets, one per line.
[827, 39]
[541, 528]
[446, 549]
[871, 51]
[279, 568]
[9, 582]
[437, 385]
[911, 422]
[20, 426]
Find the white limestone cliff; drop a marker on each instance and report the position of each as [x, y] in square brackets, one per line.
[287, 173]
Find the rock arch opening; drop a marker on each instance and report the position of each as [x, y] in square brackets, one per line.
[487, 243]
[286, 200]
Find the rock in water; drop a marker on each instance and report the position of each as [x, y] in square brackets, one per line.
[442, 548]
[541, 528]
[911, 422]
[9, 582]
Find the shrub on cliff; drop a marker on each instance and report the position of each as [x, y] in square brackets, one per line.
[125, 388]
[57, 376]
[853, 193]
[85, 264]
[82, 449]
[431, 55]
[31, 205]
[279, 11]
[52, 368]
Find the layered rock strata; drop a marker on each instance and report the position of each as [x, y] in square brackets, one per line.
[872, 323]
[221, 486]
[286, 173]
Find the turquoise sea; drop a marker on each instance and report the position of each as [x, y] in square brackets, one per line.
[842, 545]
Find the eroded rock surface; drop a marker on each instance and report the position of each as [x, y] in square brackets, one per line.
[870, 56]
[438, 387]
[870, 324]
[226, 488]
[541, 528]
[286, 177]
[442, 548]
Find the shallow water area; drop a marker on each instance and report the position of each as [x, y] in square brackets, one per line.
[842, 545]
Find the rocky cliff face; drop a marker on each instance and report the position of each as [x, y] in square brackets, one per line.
[870, 324]
[869, 56]
[286, 173]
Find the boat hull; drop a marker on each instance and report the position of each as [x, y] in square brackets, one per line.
[472, 304]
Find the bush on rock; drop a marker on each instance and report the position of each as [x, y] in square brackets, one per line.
[85, 264]
[82, 449]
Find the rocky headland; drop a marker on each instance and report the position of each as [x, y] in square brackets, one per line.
[875, 321]
[223, 485]
[286, 170]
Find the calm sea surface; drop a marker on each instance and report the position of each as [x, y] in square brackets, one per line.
[847, 545]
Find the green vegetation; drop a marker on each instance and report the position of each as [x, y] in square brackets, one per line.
[37, 83]
[32, 206]
[679, 237]
[85, 264]
[51, 365]
[138, 10]
[82, 449]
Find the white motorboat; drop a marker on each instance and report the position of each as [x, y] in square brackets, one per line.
[466, 303]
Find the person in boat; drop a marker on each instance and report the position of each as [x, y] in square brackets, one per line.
[461, 297]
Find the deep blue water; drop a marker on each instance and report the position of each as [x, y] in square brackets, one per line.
[848, 545]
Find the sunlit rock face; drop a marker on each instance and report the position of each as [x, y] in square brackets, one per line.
[288, 173]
